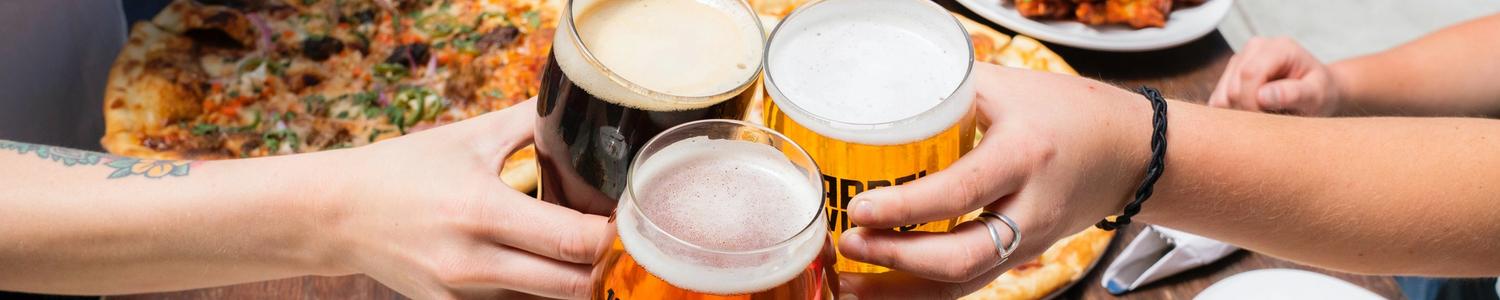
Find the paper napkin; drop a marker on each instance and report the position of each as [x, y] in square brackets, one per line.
[1159, 252]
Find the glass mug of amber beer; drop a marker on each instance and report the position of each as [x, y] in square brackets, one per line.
[719, 209]
[621, 71]
[877, 92]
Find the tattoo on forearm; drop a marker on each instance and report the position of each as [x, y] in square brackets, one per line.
[122, 166]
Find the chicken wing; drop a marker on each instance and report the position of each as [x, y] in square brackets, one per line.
[1044, 9]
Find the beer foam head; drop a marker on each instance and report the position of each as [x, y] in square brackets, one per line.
[845, 68]
[722, 216]
[660, 54]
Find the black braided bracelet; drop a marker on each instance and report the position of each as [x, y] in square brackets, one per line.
[1158, 160]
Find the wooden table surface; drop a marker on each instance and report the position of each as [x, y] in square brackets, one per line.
[1187, 72]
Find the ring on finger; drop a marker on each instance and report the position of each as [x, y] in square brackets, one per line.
[1003, 250]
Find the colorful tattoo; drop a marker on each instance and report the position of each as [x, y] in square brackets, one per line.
[66, 156]
[123, 166]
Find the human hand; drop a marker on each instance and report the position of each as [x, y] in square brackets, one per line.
[1059, 154]
[427, 215]
[1277, 75]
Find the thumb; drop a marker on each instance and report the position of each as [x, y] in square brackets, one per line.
[1292, 96]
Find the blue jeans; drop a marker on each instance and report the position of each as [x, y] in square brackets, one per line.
[1425, 288]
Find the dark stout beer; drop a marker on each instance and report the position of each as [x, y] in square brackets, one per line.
[622, 71]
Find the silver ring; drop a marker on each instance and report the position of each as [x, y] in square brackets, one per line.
[1003, 251]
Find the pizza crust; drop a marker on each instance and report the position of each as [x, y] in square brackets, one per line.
[146, 90]
[1028, 53]
[520, 170]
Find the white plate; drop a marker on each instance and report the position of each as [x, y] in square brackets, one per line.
[1183, 25]
[1283, 284]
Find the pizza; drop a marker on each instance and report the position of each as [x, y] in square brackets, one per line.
[1066, 261]
[232, 79]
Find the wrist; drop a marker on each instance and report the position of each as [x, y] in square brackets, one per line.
[318, 193]
[1344, 86]
[1132, 137]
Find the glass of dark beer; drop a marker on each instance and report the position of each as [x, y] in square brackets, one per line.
[622, 71]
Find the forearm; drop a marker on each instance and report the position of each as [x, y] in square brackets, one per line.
[1451, 72]
[1369, 195]
[74, 229]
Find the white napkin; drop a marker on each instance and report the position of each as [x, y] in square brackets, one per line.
[1159, 252]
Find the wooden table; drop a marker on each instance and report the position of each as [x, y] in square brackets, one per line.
[1187, 72]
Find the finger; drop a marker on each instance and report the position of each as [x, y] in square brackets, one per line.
[507, 268]
[906, 252]
[955, 256]
[544, 228]
[1220, 96]
[995, 168]
[1288, 95]
[497, 134]
[1256, 71]
[901, 285]
[1230, 78]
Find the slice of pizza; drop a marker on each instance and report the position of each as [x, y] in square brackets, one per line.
[246, 79]
[1066, 262]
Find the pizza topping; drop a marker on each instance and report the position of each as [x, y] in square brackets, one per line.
[213, 39]
[266, 78]
[438, 25]
[280, 140]
[498, 38]
[315, 105]
[364, 16]
[414, 104]
[409, 55]
[205, 129]
[304, 81]
[391, 72]
[235, 4]
[319, 48]
[266, 40]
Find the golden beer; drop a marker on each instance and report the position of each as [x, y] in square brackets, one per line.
[877, 92]
[718, 209]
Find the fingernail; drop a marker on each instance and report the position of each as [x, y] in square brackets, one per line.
[862, 208]
[848, 296]
[851, 239]
[1270, 96]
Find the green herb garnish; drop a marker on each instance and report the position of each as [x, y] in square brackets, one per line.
[391, 72]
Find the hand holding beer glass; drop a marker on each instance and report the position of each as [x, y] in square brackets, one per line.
[718, 209]
[879, 94]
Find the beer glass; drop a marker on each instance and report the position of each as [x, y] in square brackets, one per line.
[877, 92]
[621, 71]
[719, 209]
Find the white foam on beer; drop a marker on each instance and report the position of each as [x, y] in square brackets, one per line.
[871, 62]
[726, 196]
[687, 48]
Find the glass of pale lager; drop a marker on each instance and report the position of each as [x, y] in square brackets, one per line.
[621, 71]
[877, 92]
[719, 209]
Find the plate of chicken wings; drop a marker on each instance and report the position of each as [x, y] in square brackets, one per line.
[1108, 25]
